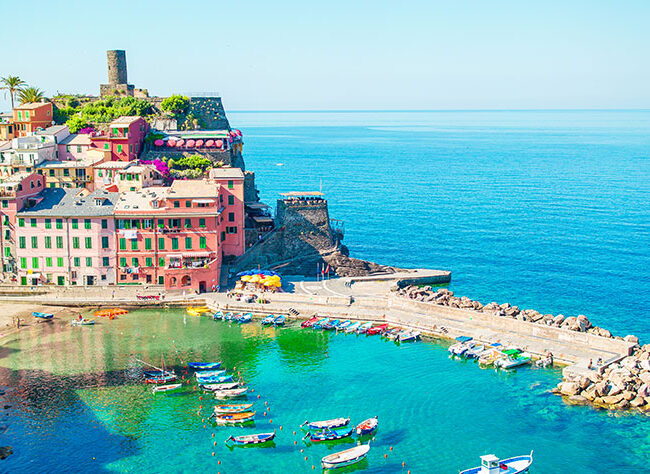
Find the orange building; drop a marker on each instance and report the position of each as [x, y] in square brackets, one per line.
[32, 116]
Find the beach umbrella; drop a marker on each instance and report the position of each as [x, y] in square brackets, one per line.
[209, 143]
[218, 143]
[159, 142]
[199, 143]
[190, 143]
[171, 142]
[268, 283]
[180, 143]
[245, 278]
[255, 279]
[243, 273]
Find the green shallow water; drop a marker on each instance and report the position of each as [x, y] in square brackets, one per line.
[74, 397]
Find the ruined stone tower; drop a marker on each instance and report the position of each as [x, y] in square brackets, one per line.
[117, 77]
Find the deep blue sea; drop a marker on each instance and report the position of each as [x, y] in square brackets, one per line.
[547, 210]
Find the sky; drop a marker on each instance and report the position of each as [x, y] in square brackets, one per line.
[342, 55]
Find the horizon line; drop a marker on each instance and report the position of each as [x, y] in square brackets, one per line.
[613, 109]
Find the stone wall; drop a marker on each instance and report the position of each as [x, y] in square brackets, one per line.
[210, 112]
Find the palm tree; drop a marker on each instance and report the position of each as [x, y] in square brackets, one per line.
[12, 84]
[30, 94]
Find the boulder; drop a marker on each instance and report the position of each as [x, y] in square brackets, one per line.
[5, 451]
[604, 333]
[577, 399]
[631, 338]
[584, 319]
[614, 390]
[557, 320]
[623, 404]
[569, 388]
[612, 399]
[629, 395]
[584, 382]
[637, 402]
[601, 388]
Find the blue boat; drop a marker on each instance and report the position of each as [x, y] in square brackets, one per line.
[331, 325]
[40, 315]
[204, 365]
[367, 427]
[268, 320]
[201, 374]
[217, 315]
[490, 464]
[214, 379]
[319, 324]
[157, 373]
[252, 438]
[321, 425]
[329, 434]
[364, 327]
[279, 321]
[342, 326]
[228, 317]
[245, 318]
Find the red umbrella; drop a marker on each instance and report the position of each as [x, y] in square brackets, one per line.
[199, 143]
[218, 143]
[159, 143]
[171, 142]
[209, 143]
[190, 143]
[180, 143]
[233, 133]
[238, 132]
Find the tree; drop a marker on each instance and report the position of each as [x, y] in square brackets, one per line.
[194, 162]
[30, 94]
[175, 104]
[13, 85]
[76, 123]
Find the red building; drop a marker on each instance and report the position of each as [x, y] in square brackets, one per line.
[124, 139]
[31, 116]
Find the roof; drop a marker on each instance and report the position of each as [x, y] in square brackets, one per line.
[32, 105]
[76, 139]
[302, 194]
[58, 202]
[256, 205]
[193, 188]
[216, 173]
[53, 130]
[14, 178]
[114, 165]
[140, 200]
[126, 120]
[69, 163]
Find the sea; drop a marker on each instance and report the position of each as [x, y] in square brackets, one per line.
[543, 209]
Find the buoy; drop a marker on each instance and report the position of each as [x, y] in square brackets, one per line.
[215, 443]
[203, 426]
[93, 459]
[268, 409]
[385, 456]
[258, 396]
[313, 467]
[295, 443]
[294, 433]
[266, 403]
[264, 413]
[218, 462]
[202, 420]
[301, 450]
[213, 435]
[403, 463]
[200, 407]
[213, 453]
[305, 458]
[201, 397]
[280, 427]
[391, 448]
[270, 421]
[252, 389]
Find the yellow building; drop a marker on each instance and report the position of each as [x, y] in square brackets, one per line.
[73, 173]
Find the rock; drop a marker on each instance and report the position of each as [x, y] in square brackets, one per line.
[614, 390]
[637, 402]
[644, 365]
[623, 404]
[590, 393]
[557, 320]
[569, 388]
[578, 399]
[604, 333]
[5, 451]
[612, 399]
[631, 338]
[629, 395]
[595, 377]
[601, 388]
[584, 382]
[585, 320]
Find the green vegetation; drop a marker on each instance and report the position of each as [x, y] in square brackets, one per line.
[153, 136]
[13, 85]
[196, 162]
[30, 94]
[175, 105]
[100, 111]
[75, 123]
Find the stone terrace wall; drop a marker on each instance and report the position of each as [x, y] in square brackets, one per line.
[210, 111]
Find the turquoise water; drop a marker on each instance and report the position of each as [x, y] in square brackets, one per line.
[75, 406]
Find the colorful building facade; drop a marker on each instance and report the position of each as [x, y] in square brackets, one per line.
[28, 118]
[124, 138]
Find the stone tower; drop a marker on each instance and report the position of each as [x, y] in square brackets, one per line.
[116, 60]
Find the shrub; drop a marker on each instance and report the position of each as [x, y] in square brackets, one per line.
[175, 104]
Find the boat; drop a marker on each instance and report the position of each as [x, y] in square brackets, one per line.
[197, 310]
[223, 409]
[160, 379]
[328, 326]
[461, 346]
[217, 315]
[310, 322]
[245, 318]
[167, 388]
[377, 329]
[364, 327]
[267, 321]
[209, 373]
[392, 333]
[110, 313]
[213, 387]
[259, 438]
[345, 458]
[232, 393]
[39, 315]
[513, 358]
[321, 425]
[279, 320]
[490, 464]
[83, 322]
[367, 427]
[234, 418]
[406, 336]
[228, 317]
[157, 373]
[320, 323]
[489, 357]
[353, 327]
[343, 325]
[329, 435]
[214, 379]
[204, 365]
[474, 351]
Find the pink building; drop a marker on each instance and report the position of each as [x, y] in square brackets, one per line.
[67, 237]
[124, 139]
[74, 146]
[231, 197]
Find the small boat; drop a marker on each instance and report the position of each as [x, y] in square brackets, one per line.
[209, 373]
[490, 464]
[461, 346]
[167, 388]
[364, 327]
[367, 427]
[204, 365]
[83, 322]
[157, 373]
[353, 327]
[330, 325]
[39, 315]
[408, 336]
[228, 317]
[377, 329]
[392, 333]
[321, 425]
[232, 393]
[223, 409]
[217, 315]
[345, 458]
[267, 321]
[197, 310]
[489, 357]
[161, 379]
[342, 326]
[279, 320]
[320, 323]
[110, 313]
[213, 387]
[245, 318]
[513, 358]
[329, 435]
[214, 379]
[310, 322]
[252, 438]
[234, 418]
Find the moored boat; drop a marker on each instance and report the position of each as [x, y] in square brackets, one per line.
[204, 365]
[354, 327]
[83, 322]
[245, 318]
[217, 315]
[377, 329]
[310, 322]
[513, 358]
[461, 346]
[213, 387]
[320, 425]
[279, 320]
[267, 321]
[392, 333]
[490, 464]
[367, 427]
[234, 418]
[231, 393]
[345, 458]
[237, 408]
[329, 434]
[201, 374]
[197, 310]
[406, 336]
[39, 315]
[110, 313]
[328, 326]
[364, 327]
[342, 326]
[258, 438]
[214, 379]
[167, 388]
[228, 317]
[319, 324]
[160, 379]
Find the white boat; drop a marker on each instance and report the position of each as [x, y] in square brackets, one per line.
[213, 387]
[232, 393]
[408, 336]
[461, 346]
[83, 322]
[167, 388]
[345, 458]
[513, 358]
[490, 464]
[209, 373]
[364, 327]
[353, 327]
[474, 352]
[343, 326]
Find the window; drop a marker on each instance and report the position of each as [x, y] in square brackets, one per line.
[66, 172]
[188, 203]
[59, 261]
[134, 244]
[32, 222]
[122, 262]
[59, 223]
[89, 242]
[161, 280]
[48, 223]
[87, 224]
[223, 236]
[78, 148]
[134, 261]
[104, 242]
[231, 217]
[161, 243]
[148, 262]
[99, 173]
[76, 262]
[231, 199]
[34, 262]
[21, 222]
[23, 262]
[105, 146]
[75, 224]
[147, 224]
[174, 243]
[105, 261]
[188, 243]
[5, 203]
[177, 204]
[104, 223]
[51, 172]
[188, 223]
[34, 242]
[202, 223]
[75, 242]
[147, 244]
[89, 261]
[231, 230]
[119, 149]
[202, 242]
[48, 261]
[161, 261]
[48, 242]
[7, 251]
[122, 244]
[22, 242]
[59, 242]
[230, 184]
[175, 223]
[130, 148]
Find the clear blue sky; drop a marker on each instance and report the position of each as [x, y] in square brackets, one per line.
[283, 54]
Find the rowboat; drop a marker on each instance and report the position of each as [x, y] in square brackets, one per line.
[345, 458]
[110, 313]
[268, 320]
[367, 427]
[319, 324]
[320, 425]
[408, 336]
[364, 327]
[252, 438]
[224, 409]
[310, 322]
[217, 315]
[232, 393]
[167, 388]
[204, 365]
[213, 387]
[513, 358]
[38, 314]
[197, 310]
[353, 327]
[391, 333]
[228, 317]
[83, 322]
[329, 434]
[279, 320]
[157, 373]
[161, 379]
[342, 326]
[489, 357]
[245, 318]
[201, 374]
[461, 346]
[377, 329]
[330, 325]
[490, 464]
[234, 418]
[215, 379]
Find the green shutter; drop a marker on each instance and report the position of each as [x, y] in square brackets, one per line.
[75, 224]
[161, 243]
[134, 244]
[59, 261]
[147, 243]
[188, 243]
[89, 242]
[122, 244]
[202, 243]
[75, 242]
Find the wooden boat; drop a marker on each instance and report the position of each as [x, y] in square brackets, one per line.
[513, 358]
[489, 357]
[83, 322]
[367, 427]
[321, 425]
[364, 327]
[490, 464]
[319, 324]
[342, 326]
[279, 320]
[197, 310]
[245, 318]
[160, 379]
[204, 365]
[217, 315]
[464, 343]
[213, 387]
[232, 393]
[167, 388]
[39, 315]
[228, 316]
[345, 458]
[406, 336]
[259, 438]
[330, 325]
[157, 373]
[353, 327]
[377, 329]
[217, 379]
[201, 374]
[310, 322]
[110, 313]
[267, 321]
[235, 418]
[329, 435]
[224, 409]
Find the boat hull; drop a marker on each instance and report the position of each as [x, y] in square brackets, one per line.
[260, 438]
[321, 425]
[514, 465]
[226, 409]
[204, 365]
[345, 458]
